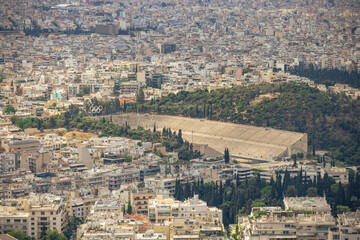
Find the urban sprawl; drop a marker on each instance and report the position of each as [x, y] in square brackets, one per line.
[70, 168]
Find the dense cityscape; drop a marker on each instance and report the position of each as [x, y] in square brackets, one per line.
[180, 119]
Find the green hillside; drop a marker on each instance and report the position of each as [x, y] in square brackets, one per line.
[331, 120]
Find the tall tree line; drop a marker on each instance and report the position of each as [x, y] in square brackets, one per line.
[237, 197]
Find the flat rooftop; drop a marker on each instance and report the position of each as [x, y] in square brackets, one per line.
[306, 203]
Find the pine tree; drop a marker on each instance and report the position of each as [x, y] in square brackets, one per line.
[140, 97]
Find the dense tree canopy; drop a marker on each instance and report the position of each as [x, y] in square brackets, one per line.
[10, 109]
[332, 121]
[329, 77]
[238, 197]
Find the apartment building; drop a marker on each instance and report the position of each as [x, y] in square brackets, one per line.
[33, 217]
[29, 146]
[347, 228]
[150, 235]
[194, 207]
[13, 220]
[140, 201]
[77, 208]
[340, 175]
[317, 205]
[196, 229]
[163, 209]
[303, 218]
[38, 161]
[115, 179]
[270, 223]
[9, 161]
[128, 88]
[45, 216]
[168, 184]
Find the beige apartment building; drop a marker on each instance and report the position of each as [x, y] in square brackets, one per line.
[29, 146]
[33, 218]
[140, 201]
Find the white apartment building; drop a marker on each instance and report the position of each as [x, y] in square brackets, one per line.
[303, 218]
[163, 209]
[348, 227]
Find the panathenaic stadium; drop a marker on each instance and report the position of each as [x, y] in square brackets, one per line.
[212, 137]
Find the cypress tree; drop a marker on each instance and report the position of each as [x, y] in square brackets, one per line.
[187, 192]
[180, 136]
[226, 155]
[129, 208]
[313, 148]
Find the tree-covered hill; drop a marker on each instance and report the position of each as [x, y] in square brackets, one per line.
[329, 77]
[332, 121]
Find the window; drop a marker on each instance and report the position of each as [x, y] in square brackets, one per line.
[7, 220]
[32, 219]
[54, 218]
[42, 213]
[24, 220]
[17, 220]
